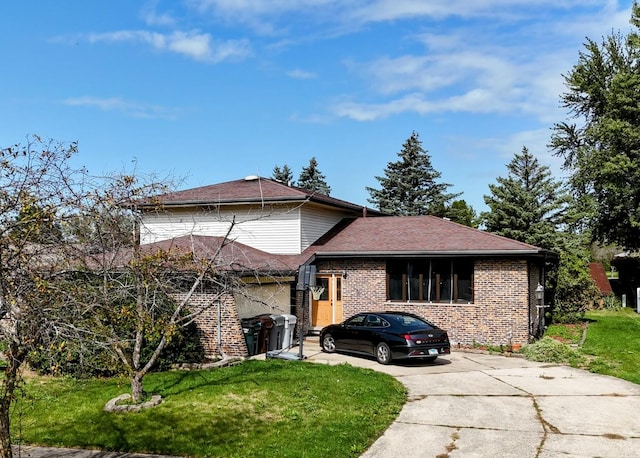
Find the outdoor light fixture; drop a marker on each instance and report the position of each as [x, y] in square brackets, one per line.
[540, 293]
[540, 307]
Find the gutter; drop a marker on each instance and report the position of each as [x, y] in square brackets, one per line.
[431, 254]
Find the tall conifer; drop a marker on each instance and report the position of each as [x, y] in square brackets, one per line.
[410, 185]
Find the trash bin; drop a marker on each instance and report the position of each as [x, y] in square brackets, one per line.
[266, 325]
[251, 329]
[275, 338]
[289, 333]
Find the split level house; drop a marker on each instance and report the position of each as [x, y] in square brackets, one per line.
[478, 286]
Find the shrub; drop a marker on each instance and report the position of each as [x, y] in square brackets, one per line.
[184, 347]
[82, 360]
[576, 291]
[548, 350]
[611, 302]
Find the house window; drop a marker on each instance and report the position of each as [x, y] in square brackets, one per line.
[324, 282]
[431, 280]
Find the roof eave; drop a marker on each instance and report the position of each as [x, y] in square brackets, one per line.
[445, 253]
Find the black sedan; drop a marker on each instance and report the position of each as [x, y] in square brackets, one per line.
[387, 336]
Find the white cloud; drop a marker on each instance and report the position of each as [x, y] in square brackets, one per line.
[301, 74]
[151, 17]
[245, 9]
[465, 70]
[264, 14]
[133, 109]
[193, 44]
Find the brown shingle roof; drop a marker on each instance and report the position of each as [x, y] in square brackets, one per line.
[231, 256]
[380, 236]
[252, 190]
[600, 278]
[426, 235]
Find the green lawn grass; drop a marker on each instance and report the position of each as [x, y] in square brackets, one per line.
[611, 346]
[566, 333]
[613, 339]
[257, 409]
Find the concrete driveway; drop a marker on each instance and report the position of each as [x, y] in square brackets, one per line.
[478, 405]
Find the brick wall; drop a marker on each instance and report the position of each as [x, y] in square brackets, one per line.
[503, 311]
[500, 314]
[232, 337]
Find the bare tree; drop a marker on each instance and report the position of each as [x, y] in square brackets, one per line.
[131, 299]
[36, 190]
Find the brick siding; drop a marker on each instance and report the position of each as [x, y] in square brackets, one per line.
[504, 309]
[500, 315]
[232, 342]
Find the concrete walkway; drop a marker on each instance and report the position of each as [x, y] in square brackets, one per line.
[478, 405]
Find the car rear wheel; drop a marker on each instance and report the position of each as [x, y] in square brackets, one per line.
[328, 343]
[383, 353]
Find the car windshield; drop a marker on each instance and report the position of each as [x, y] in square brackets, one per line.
[409, 321]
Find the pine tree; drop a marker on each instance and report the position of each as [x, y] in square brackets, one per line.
[528, 205]
[462, 213]
[409, 185]
[283, 175]
[312, 179]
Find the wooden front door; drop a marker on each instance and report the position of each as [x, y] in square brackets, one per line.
[328, 308]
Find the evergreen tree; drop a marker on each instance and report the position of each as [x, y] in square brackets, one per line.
[602, 151]
[462, 213]
[283, 175]
[528, 205]
[409, 185]
[312, 179]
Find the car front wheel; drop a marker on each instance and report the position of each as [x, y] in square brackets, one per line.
[328, 343]
[383, 353]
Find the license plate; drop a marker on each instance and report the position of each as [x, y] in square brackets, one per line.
[433, 351]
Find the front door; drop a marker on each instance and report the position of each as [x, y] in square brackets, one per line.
[327, 309]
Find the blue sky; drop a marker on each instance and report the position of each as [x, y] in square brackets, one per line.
[214, 90]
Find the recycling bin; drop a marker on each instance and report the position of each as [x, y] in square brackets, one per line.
[251, 329]
[275, 337]
[289, 333]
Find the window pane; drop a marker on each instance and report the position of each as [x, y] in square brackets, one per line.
[464, 272]
[395, 287]
[441, 280]
[357, 320]
[414, 288]
[396, 270]
[324, 282]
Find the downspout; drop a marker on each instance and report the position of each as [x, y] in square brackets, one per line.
[219, 326]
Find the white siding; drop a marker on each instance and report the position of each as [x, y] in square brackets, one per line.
[315, 222]
[274, 231]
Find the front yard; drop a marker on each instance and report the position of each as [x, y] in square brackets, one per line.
[606, 342]
[276, 408]
[257, 409]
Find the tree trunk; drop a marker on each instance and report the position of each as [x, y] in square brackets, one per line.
[5, 435]
[15, 357]
[136, 387]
